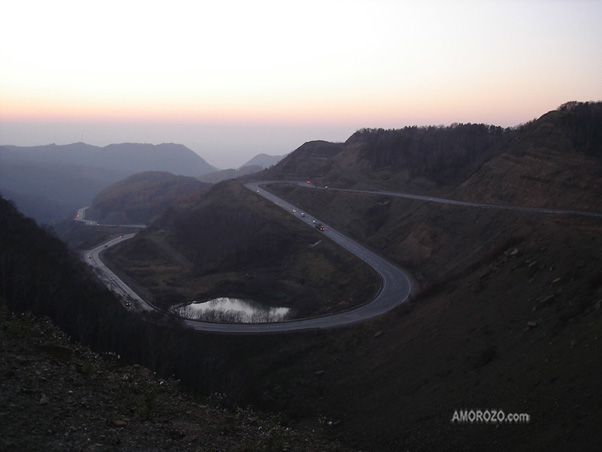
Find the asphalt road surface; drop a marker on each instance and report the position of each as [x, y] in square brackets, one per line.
[81, 217]
[454, 202]
[129, 299]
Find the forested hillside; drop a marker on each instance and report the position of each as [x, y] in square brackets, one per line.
[444, 155]
[552, 161]
[433, 158]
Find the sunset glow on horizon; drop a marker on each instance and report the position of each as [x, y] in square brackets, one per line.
[276, 73]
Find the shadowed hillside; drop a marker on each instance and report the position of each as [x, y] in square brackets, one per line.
[144, 196]
[310, 160]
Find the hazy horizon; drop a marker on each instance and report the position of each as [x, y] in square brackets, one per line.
[234, 79]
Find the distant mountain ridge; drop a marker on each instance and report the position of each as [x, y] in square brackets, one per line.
[132, 157]
[532, 164]
[49, 182]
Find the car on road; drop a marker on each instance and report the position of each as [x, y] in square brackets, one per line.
[302, 214]
[320, 227]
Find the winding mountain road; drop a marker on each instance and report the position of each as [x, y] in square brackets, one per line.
[396, 284]
[454, 202]
[128, 297]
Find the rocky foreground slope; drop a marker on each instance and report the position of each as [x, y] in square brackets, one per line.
[56, 395]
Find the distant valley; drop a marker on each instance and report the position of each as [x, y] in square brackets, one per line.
[49, 182]
[256, 164]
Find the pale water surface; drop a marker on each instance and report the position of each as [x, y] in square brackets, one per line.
[233, 310]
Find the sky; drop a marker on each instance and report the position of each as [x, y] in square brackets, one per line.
[232, 79]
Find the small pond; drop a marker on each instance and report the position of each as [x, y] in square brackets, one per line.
[232, 310]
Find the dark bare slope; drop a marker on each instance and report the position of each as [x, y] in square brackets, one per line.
[508, 318]
[144, 196]
[312, 159]
[129, 157]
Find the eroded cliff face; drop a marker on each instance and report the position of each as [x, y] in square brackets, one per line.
[555, 161]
